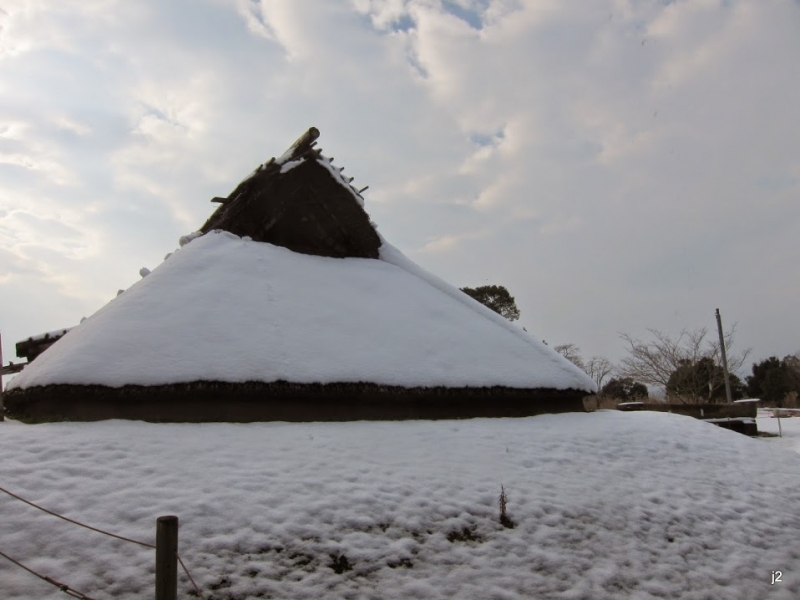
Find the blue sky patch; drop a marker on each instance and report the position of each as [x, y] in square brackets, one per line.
[473, 18]
[404, 23]
[487, 139]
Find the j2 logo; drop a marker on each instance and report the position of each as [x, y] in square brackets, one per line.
[776, 577]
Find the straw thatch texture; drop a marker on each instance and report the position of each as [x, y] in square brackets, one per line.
[281, 401]
[304, 209]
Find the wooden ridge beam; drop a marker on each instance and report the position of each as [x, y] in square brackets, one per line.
[304, 143]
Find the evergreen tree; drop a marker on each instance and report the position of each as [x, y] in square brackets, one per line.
[495, 297]
[703, 381]
[624, 388]
[773, 379]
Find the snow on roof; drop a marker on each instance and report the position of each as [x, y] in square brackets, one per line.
[339, 178]
[33, 346]
[227, 309]
[291, 165]
[48, 335]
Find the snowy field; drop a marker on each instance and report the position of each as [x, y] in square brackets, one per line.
[789, 429]
[607, 505]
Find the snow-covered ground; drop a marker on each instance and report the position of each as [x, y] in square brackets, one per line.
[608, 505]
[789, 429]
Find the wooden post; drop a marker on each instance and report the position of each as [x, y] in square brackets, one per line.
[2, 406]
[167, 558]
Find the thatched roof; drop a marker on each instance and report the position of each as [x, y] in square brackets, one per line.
[301, 202]
[291, 306]
[33, 346]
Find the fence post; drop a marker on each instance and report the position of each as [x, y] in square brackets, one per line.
[2, 406]
[167, 558]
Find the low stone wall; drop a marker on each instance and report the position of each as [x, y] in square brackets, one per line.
[199, 402]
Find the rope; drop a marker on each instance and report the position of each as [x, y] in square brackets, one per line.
[65, 588]
[50, 512]
[194, 585]
[62, 586]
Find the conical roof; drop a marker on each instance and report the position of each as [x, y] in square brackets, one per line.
[290, 282]
[223, 308]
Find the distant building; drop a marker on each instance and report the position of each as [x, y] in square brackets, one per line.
[33, 346]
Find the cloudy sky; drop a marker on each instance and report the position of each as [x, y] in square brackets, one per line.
[619, 165]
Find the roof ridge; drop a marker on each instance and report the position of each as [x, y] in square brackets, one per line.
[299, 201]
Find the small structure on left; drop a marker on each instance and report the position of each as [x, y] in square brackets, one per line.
[36, 344]
[28, 349]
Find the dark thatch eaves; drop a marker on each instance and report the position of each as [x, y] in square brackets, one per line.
[215, 401]
[298, 201]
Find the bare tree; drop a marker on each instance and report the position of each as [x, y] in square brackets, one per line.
[654, 362]
[572, 353]
[598, 368]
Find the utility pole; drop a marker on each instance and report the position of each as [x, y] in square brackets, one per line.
[724, 359]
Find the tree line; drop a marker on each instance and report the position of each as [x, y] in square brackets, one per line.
[687, 367]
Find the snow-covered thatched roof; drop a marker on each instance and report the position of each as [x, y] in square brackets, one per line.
[224, 308]
[289, 284]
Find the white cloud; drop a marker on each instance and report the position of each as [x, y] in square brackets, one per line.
[73, 126]
[383, 13]
[450, 243]
[44, 245]
[48, 166]
[251, 12]
[13, 130]
[639, 158]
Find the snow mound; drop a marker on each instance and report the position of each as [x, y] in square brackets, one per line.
[227, 309]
